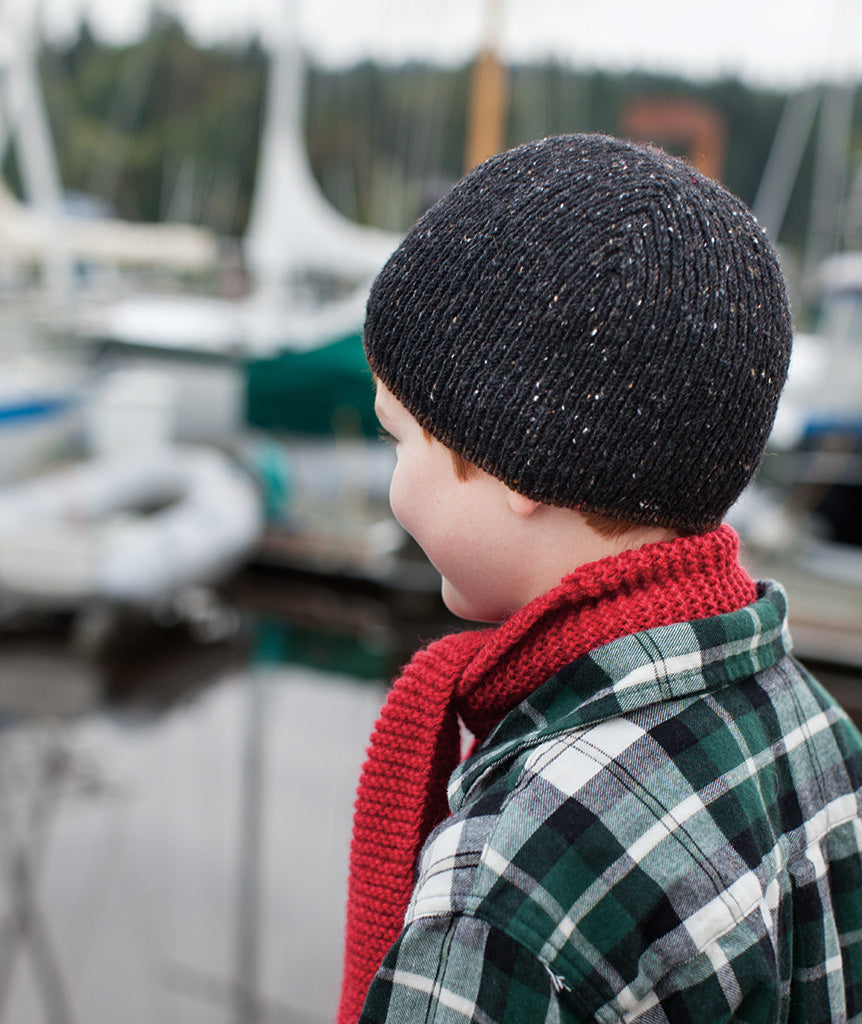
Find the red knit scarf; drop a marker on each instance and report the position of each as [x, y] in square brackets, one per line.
[481, 675]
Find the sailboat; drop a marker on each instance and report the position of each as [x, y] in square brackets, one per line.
[42, 248]
[808, 497]
[140, 518]
[286, 338]
[815, 462]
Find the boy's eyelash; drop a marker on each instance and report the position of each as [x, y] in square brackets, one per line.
[385, 436]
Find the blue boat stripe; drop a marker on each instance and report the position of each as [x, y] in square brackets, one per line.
[34, 410]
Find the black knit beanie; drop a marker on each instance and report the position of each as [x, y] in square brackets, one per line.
[594, 323]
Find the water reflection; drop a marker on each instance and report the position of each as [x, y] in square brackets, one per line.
[176, 813]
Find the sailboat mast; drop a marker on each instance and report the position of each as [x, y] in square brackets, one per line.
[486, 122]
[24, 122]
[293, 228]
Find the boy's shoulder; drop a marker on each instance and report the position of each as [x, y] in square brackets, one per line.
[648, 829]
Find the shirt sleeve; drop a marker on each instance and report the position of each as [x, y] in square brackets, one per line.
[451, 970]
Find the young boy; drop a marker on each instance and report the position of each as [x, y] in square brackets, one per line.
[579, 351]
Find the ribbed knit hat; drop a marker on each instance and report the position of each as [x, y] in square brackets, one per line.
[593, 322]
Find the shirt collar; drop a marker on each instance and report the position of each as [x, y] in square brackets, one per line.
[667, 663]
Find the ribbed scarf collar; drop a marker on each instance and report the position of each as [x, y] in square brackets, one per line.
[479, 676]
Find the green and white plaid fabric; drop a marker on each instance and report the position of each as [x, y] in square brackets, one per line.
[667, 830]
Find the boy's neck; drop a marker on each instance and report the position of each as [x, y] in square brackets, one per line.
[550, 543]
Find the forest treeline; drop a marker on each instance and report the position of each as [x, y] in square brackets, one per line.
[164, 129]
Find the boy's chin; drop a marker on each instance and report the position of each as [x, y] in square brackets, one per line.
[463, 608]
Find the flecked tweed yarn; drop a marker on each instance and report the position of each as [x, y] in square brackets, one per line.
[482, 674]
[593, 322]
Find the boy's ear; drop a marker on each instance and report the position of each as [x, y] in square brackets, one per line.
[521, 505]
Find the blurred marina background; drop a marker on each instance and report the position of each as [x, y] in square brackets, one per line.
[202, 591]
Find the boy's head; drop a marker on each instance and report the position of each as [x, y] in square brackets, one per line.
[595, 324]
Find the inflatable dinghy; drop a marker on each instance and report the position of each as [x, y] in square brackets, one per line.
[128, 529]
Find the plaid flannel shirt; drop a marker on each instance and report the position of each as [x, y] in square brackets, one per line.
[666, 830]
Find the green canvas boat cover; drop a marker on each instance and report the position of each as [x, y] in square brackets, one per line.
[327, 390]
